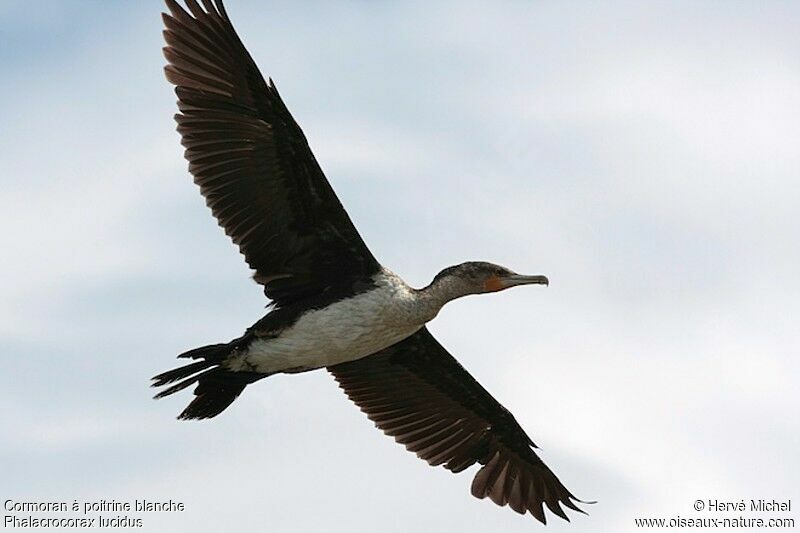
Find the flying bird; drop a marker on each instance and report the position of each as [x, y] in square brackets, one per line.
[333, 305]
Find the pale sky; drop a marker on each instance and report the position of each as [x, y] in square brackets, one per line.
[645, 156]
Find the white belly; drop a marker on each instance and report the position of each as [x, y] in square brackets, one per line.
[344, 331]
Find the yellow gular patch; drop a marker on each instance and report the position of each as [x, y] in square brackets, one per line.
[493, 284]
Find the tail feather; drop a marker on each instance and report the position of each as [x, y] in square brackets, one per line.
[190, 379]
[171, 376]
[217, 387]
[216, 352]
[216, 390]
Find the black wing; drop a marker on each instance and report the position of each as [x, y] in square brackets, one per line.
[416, 392]
[253, 163]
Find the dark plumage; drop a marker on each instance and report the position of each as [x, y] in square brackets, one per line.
[333, 304]
[253, 164]
[416, 392]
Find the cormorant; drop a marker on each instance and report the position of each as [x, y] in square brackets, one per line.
[333, 305]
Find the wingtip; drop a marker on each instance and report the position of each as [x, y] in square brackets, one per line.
[173, 7]
[583, 502]
[221, 10]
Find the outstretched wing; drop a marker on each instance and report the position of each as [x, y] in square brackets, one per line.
[416, 392]
[253, 163]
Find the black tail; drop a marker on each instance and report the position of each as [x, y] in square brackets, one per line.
[216, 388]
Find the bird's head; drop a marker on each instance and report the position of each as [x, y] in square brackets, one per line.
[477, 277]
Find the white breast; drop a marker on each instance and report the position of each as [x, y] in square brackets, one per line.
[344, 331]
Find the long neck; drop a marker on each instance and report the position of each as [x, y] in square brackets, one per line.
[432, 298]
